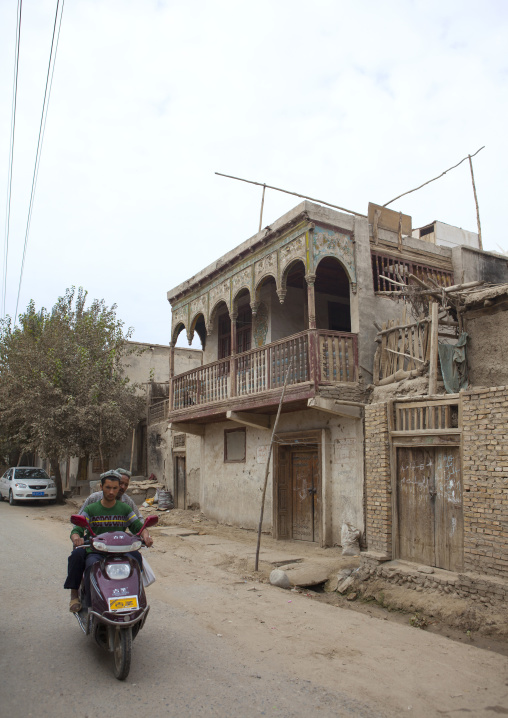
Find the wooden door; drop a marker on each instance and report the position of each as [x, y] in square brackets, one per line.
[180, 482]
[429, 503]
[298, 493]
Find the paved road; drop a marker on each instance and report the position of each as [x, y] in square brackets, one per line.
[48, 667]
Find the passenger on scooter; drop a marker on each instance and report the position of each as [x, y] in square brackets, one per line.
[122, 496]
[108, 514]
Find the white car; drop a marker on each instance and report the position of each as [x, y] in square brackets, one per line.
[27, 483]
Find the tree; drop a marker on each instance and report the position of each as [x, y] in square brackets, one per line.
[62, 386]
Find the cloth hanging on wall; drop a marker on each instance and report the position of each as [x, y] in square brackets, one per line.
[453, 361]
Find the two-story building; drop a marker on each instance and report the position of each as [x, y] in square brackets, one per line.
[298, 299]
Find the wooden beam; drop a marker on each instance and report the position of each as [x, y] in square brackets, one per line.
[433, 350]
[258, 421]
[335, 406]
[196, 429]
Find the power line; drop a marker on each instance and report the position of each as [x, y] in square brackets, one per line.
[11, 153]
[42, 127]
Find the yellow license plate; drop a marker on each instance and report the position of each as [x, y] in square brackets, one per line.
[126, 603]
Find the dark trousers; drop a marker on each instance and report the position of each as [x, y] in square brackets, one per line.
[80, 559]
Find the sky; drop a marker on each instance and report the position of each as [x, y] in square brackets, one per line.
[347, 102]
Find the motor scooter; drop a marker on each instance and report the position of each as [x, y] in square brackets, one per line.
[113, 600]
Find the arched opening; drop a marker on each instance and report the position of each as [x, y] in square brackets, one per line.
[177, 338]
[291, 316]
[199, 328]
[219, 345]
[243, 322]
[332, 297]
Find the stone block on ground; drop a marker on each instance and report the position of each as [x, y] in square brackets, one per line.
[279, 578]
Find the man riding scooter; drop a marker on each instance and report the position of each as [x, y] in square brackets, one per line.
[105, 515]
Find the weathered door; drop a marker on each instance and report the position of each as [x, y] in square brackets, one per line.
[429, 496]
[298, 493]
[180, 481]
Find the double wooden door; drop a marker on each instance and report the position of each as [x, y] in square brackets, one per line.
[298, 493]
[429, 506]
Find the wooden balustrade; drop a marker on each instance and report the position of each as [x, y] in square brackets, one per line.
[158, 411]
[318, 355]
[338, 357]
[205, 385]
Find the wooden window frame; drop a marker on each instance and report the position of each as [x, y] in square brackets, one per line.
[243, 430]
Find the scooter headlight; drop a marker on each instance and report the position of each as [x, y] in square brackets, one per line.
[136, 545]
[100, 546]
[118, 571]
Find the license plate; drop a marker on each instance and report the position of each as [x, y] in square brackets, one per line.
[37, 493]
[126, 603]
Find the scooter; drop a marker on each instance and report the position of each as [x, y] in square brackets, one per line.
[113, 600]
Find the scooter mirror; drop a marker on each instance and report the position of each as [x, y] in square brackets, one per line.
[80, 521]
[149, 521]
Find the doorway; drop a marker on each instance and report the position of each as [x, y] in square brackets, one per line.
[298, 493]
[180, 482]
[429, 506]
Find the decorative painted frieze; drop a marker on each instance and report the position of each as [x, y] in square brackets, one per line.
[330, 243]
[265, 267]
[291, 251]
[242, 280]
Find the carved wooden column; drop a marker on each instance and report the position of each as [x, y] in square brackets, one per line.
[232, 361]
[171, 373]
[311, 299]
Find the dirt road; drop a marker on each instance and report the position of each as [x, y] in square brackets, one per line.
[219, 643]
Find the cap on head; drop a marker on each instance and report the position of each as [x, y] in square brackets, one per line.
[124, 472]
[110, 475]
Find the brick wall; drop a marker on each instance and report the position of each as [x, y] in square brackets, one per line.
[377, 480]
[485, 480]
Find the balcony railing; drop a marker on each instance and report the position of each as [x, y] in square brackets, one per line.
[319, 356]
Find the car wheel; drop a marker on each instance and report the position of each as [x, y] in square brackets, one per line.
[11, 498]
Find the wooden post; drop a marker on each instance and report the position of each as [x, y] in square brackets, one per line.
[262, 204]
[433, 349]
[232, 360]
[132, 449]
[311, 299]
[476, 203]
[171, 373]
[256, 564]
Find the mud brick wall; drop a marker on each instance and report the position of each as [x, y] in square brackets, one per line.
[485, 480]
[378, 495]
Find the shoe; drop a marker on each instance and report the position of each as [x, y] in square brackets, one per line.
[75, 605]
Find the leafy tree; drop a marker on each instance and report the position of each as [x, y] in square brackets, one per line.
[62, 386]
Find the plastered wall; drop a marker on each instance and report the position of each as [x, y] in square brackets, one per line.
[231, 492]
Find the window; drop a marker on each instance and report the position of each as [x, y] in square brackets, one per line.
[234, 445]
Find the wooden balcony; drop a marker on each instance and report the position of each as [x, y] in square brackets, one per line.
[254, 379]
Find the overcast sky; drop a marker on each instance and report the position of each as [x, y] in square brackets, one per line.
[349, 102]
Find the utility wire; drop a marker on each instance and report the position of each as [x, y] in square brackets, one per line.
[11, 154]
[42, 127]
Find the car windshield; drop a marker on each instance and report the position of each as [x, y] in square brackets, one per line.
[31, 474]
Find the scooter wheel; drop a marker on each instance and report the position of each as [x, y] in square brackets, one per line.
[122, 652]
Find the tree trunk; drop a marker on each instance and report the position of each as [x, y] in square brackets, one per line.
[55, 470]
